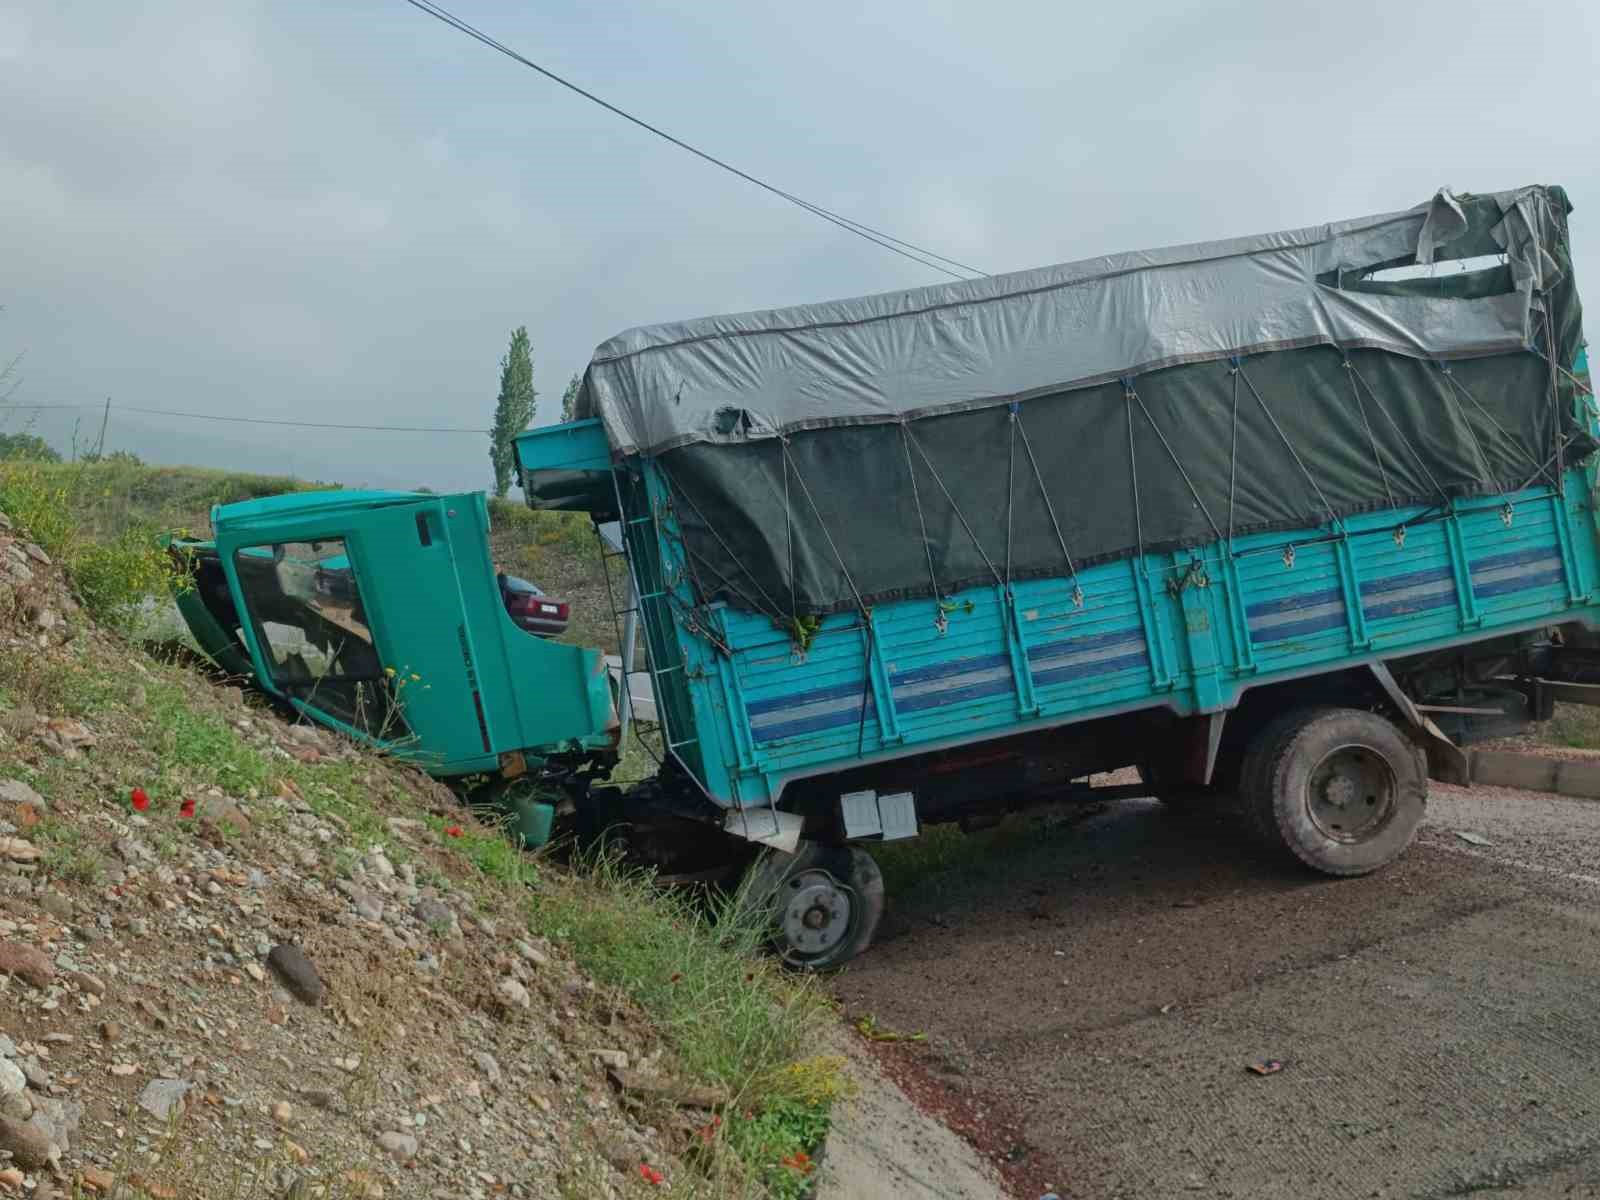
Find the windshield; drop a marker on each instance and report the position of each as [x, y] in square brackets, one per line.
[305, 607]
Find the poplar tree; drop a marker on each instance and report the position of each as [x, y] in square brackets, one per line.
[513, 411]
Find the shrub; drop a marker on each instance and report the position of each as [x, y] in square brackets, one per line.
[114, 576]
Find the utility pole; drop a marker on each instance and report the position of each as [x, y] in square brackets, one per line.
[105, 419]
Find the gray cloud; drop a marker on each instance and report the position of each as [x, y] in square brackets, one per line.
[338, 212]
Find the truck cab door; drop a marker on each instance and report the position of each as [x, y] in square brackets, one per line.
[305, 615]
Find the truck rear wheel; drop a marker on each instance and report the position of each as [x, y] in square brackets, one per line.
[822, 903]
[1340, 789]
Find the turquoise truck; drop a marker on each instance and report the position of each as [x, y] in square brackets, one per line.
[1287, 518]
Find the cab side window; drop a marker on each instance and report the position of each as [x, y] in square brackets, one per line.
[305, 605]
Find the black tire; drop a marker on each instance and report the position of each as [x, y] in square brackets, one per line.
[1338, 789]
[841, 881]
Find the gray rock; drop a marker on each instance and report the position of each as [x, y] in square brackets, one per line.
[369, 908]
[14, 1099]
[487, 1064]
[224, 813]
[617, 1059]
[299, 976]
[8, 1048]
[60, 1119]
[533, 954]
[27, 963]
[401, 1147]
[378, 863]
[513, 994]
[435, 914]
[29, 1144]
[58, 906]
[33, 1070]
[132, 850]
[14, 791]
[161, 1097]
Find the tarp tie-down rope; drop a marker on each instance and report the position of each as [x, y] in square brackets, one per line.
[1233, 451]
[1044, 492]
[1372, 439]
[1167, 446]
[1450, 376]
[1133, 469]
[1238, 365]
[1555, 394]
[1444, 496]
[954, 507]
[1011, 478]
[788, 533]
[922, 523]
[866, 616]
[1484, 474]
[773, 610]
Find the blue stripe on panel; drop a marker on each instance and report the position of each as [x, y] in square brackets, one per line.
[784, 703]
[1294, 629]
[1264, 608]
[847, 714]
[1102, 666]
[943, 670]
[1513, 558]
[1520, 583]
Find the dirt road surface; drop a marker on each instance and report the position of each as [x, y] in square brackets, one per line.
[1100, 995]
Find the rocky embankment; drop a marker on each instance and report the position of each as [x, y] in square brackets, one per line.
[239, 958]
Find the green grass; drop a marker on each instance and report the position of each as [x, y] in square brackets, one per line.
[1573, 725]
[200, 749]
[733, 1017]
[939, 849]
[110, 498]
[66, 853]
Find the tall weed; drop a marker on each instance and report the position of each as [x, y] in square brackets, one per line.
[113, 576]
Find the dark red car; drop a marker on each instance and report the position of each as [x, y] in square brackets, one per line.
[531, 609]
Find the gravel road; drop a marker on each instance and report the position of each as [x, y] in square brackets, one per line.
[1108, 987]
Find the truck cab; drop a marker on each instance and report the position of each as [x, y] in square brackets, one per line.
[379, 614]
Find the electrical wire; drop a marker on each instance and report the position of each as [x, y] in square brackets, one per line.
[878, 237]
[194, 416]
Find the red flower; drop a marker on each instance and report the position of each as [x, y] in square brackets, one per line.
[187, 808]
[139, 798]
[650, 1175]
[452, 830]
[799, 1161]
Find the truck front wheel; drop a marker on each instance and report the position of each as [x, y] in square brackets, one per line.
[1341, 789]
[822, 904]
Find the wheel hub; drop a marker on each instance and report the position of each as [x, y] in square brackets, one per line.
[1339, 791]
[1351, 794]
[816, 914]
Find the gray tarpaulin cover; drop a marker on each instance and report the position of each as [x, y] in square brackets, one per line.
[915, 442]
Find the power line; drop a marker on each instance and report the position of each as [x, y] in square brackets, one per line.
[194, 416]
[878, 237]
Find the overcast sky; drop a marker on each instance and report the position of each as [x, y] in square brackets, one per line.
[338, 211]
